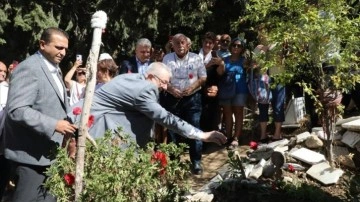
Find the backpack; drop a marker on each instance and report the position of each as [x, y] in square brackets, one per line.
[259, 87]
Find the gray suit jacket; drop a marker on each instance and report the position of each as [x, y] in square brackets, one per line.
[131, 102]
[34, 107]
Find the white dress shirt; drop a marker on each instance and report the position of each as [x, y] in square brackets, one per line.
[55, 73]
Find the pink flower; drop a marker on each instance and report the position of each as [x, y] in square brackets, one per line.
[90, 121]
[69, 179]
[191, 76]
[160, 157]
[77, 111]
[253, 145]
[291, 168]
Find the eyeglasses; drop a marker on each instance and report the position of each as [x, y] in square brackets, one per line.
[224, 41]
[236, 46]
[161, 81]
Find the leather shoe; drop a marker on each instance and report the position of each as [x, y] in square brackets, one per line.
[197, 168]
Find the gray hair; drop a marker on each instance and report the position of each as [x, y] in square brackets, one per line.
[158, 68]
[180, 36]
[143, 42]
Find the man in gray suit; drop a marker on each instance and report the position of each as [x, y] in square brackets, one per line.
[130, 101]
[36, 122]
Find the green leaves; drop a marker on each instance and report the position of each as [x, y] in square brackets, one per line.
[127, 174]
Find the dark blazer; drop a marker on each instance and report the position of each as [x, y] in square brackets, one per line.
[129, 66]
[34, 106]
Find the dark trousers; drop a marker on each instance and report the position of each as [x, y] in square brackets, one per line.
[210, 115]
[29, 184]
[189, 109]
[4, 174]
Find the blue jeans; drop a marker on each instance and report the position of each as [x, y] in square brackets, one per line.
[277, 103]
[189, 109]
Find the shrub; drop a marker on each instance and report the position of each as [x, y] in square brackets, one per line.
[114, 173]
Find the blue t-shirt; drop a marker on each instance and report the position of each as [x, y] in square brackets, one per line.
[237, 66]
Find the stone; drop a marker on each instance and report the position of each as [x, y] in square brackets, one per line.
[313, 142]
[203, 197]
[302, 137]
[350, 138]
[258, 169]
[248, 168]
[316, 129]
[282, 142]
[261, 153]
[324, 173]
[352, 125]
[278, 159]
[269, 170]
[342, 121]
[281, 149]
[308, 156]
[343, 156]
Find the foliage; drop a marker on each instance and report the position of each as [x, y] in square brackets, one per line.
[311, 34]
[315, 44]
[121, 174]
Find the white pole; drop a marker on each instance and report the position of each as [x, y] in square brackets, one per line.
[98, 23]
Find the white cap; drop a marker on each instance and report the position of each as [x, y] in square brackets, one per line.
[104, 56]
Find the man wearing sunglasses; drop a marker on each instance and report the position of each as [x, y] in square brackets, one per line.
[224, 46]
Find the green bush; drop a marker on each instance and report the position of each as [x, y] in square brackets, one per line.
[113, 173]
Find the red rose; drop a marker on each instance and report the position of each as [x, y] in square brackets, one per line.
[90, 121]
[253, 145]
[160, 157]
[77, 111]
[291, 168]
[191, 76]
[69, 179]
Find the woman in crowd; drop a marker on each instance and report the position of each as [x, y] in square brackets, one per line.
[106, 70]
[235, 105]
[77, 86]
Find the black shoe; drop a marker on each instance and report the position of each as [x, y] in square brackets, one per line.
[197, 168]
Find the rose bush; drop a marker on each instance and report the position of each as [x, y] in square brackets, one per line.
[125, 173]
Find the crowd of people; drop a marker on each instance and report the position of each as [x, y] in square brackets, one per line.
[171, 86]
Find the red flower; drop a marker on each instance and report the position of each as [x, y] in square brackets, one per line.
[160, 157]
[77, 111]
[253, 145]
[69, 179]
[291, 168]
[191, 76]
[90, 121]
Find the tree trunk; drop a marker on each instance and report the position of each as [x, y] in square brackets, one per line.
[328, 129]
[91, 66]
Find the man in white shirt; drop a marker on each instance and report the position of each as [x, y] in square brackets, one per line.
[184, 96]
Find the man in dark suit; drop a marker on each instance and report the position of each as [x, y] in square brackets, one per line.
[140, 62]
[36, 122]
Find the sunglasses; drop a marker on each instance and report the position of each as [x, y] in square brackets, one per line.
[224, 41]
[82, 72]
[236, 46]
